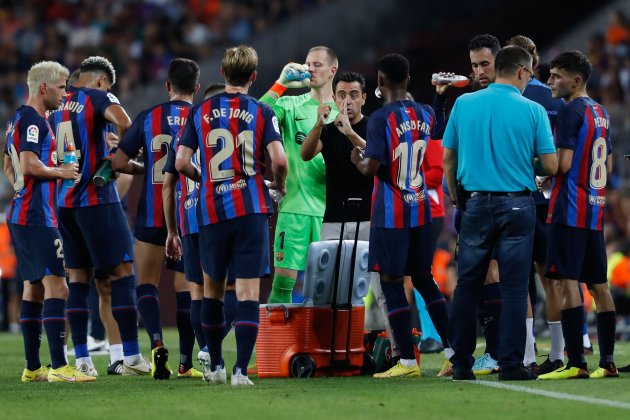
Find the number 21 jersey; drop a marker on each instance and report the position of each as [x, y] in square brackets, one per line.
[231, 131]
[579, 195]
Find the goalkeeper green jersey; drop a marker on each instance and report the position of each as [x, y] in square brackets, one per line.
[306, 181]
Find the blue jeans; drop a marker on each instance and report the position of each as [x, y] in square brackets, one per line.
[507, 224]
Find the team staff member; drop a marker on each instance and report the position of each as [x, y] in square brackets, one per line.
[490, 143]
[154, 130]
[300, 213]
[93, 225]
[577, 251]
[30, 164]
[232, 131]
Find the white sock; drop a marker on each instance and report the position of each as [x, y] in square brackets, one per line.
[86, 360]
[586, 340]
[448, 353]
[408, 362]
[530, 352]
[115, 353]
[557, 341]
[65, 353]
[133, 360]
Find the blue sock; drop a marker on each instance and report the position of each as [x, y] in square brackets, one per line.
[149, 308]
[246, 330]
[78, 314]
[230, 309]
[55, 325]
[213, 322]
[399, 317]
[124, 312]
[572, 322]
[492, 314]
[97, 329]
[436, 306]
[195, 320]
[606, 325]
[31, 323]
[185, 330]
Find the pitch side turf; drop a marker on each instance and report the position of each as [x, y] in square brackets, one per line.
[115, 397]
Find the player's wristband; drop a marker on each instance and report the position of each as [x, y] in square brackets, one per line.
[278, 88]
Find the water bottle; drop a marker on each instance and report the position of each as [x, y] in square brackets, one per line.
[275, 195]
[292, 75]
[446, 78]
[69, 158]
[104, 172]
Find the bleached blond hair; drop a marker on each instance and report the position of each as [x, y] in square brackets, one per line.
[45, 72]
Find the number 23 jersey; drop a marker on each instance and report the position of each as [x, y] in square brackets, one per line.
[579, 195]
[397, 137]
[232, 132]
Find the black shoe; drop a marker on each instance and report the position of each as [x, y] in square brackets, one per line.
[516, 373]
[533, 368]
[548, 366]
[466, 375]
[430, 346]
[624, 369]
[115, 368]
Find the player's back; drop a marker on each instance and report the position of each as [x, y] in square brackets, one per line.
[231, 132]
[80, 121]
[35, 199]
[153, 131]
[579, 195]
[397, 137]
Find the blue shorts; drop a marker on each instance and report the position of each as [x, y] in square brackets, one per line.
[192, 264]
[576, 254]
[242, 242]
[39, 251]
[95, 236]
[401, 252]
[540, 233]
[151, 235]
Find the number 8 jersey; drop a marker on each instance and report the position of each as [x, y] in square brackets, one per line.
[579, 195]
[397, 137]
[231, 131]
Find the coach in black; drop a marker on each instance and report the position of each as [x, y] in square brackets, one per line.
[490, 143]
[335, 141]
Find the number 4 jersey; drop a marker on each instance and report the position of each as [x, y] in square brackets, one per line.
[578, 196]
[153, 130]
[80, 121]
[35, 199]
[397, 137]
[232, 132]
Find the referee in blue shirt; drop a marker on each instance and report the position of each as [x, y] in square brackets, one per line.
[491, 141]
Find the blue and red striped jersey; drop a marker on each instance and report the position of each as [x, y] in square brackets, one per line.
[579, 195]
[153, 131]
[186, 192]
[397, 137]
[35, 199]
[80, 121]
[232, 132]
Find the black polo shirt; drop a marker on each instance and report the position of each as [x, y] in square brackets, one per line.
[343, 181]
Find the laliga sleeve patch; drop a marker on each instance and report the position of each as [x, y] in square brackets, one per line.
[112, 98]
[276, 127]
[32, 134]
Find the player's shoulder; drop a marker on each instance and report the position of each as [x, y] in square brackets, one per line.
[100, 95]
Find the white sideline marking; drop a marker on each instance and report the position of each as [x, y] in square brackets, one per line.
[551, 394]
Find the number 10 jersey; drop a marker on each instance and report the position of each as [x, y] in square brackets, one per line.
[231, 131]
[397, 137]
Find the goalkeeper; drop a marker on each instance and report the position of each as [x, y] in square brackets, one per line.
[302, 210]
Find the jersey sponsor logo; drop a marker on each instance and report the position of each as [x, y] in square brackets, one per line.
[276, 126]
[10, 130]
[53, 157]
[414, 198]
[190, 203]
[112, 98]
[238, 185]
[300, 137]
[595, 200]
[32, 134]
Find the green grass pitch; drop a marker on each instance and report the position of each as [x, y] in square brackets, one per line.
[115, 397]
